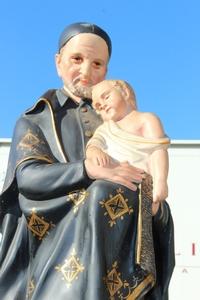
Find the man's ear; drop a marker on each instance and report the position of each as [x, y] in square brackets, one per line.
[57, 63]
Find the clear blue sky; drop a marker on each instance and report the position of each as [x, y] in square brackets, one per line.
[156, 48]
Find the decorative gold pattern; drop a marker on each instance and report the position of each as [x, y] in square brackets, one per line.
[38, 226]
[124, 290]
[149, 280]
[78, 197]
[30, 144]
[29, 140]
[71, 268]
[54, 128]
[116, 207]
[147, 187]
[139, 228]
[145, 249]
[30, 289]
[45, 158]
[113, 280]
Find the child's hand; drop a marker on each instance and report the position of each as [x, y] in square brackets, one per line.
[98, 157]
[101, 158]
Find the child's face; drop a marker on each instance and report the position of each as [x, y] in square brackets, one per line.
[109, 102]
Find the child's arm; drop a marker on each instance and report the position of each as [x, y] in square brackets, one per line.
[159, 167]
[95, 148]
[159, 163]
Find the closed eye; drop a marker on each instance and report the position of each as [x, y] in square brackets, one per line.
[105, 95]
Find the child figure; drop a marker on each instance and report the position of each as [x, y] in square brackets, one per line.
[129, 135]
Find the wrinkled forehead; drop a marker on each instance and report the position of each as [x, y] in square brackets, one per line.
[88, 44]
[89, 39]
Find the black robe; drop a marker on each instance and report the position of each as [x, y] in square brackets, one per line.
[65, 236]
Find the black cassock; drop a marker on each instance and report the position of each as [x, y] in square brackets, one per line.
[65, 236]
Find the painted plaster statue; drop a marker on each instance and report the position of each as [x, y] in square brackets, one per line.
[128, 134]
[72, 229]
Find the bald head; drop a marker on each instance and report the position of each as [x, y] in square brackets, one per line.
[83, 27]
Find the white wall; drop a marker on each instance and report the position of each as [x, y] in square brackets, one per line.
[184, 199]
[4, 151]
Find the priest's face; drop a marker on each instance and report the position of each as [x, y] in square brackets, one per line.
[82, 63]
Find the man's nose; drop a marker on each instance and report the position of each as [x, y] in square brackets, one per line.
[85, 69]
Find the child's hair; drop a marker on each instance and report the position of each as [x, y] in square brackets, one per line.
[121, 85]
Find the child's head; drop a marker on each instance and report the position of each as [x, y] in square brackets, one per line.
[113, 99]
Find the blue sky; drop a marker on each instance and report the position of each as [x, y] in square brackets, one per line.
[156, 48]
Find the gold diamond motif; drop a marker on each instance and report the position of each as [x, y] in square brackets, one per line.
[38, 226]
[71, 268]
[116, 207]
[113, 281]
[78, 197]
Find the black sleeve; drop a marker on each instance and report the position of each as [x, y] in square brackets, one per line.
[38, 180]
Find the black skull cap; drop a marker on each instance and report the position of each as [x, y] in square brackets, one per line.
[83, 27]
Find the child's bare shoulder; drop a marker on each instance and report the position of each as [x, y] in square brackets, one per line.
[143, 117]
[152, 125]
[149, 117]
